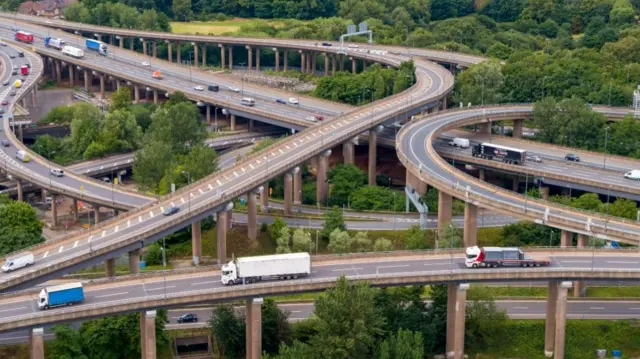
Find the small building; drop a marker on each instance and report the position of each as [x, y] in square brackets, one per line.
[47, 8]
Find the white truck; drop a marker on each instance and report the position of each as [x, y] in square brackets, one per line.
[73, 52]
[633, 175]
[459, 142]
[18, 261]
[277, 266]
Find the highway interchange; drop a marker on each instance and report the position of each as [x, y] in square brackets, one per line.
[215, 191]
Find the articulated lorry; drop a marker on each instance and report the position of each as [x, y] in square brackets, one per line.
[477, 257]
[73, 52]
[54, 42]
[505, 154]
[277, 266]
[23, 36]
[60, 295]
[97, 46]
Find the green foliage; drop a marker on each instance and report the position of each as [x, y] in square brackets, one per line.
[382, 245]
[276, 227]
[262, 144]
[117, 15]
[121, 99]
[345, 179]
[404, 344]
[68, 343]
[227, 331]
[484, 321]
[61, 115]
[377, 199]
[528, 234]
[361, 242]
[340, 241]
[333, 219]
[301, 241]
[415, 238]
[480, 84]
[154, 255]
[19, 227]
[275, 326]
[450, 237]
[283, 241]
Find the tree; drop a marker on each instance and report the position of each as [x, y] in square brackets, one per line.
[284, 241]
[68, 343]
[480, 84]
[382, 245]
[84, 127]
[437, 315]
[154, 254]
[276, 227]
[301, 241]
[484, 321]
[200, 162]
[340, 241]
[121, 99]
[450, 236]
[624, 208]
[19, 227]
[275, 326]
[227, 331]
[404, 344]
[333, 219]
[348, 321]
[182, 10]
[362, 242]
[588, 202]
[415, 238]
[376, 198]
[344, 180]
[178, 126]
[151, 163]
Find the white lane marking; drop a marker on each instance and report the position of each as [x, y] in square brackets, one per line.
[129, 223]
[103, 233]
[520, 307]
[398, 266]
[210, 282]
[623, 262]
[161, 208]
[75, 244]
[60, 249]
[192, 195]
[201, 191]
[139, 219]
[172, 205]
[90, 238]
[111, 295]
[45, 254]
[210, 188]
[342, 269]
[8, 310]
[596, 308]
[634, 308]
[436, 264]
[182, 200]
[150, 214]
[295, 311]
[575, 261]
[115, 230]
[161, 288]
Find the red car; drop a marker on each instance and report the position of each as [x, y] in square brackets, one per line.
[5, 102]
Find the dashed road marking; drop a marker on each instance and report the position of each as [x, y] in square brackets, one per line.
[75, 244]
[45, 254]
[60, 249]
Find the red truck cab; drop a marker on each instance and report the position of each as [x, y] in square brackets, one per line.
[24, 70]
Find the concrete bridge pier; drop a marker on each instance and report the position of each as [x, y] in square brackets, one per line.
[58, 71]
[579, 286]
[456, 308]
[232, 122]
[561, 320]
[196, 242]
[288, 190]
[333, 64]
[96, 209]
[19, 190]
[303, 61]
[322, 185]
[131, 43]
[550, 322]
[416, 183]
[285, 63]
[155, 98]
[445, 202]
[196, 54]
[71, 77]
[134, 261]
[544, 192]
[121, 42]
[204, 55]
[102, 86]
[136, 94]
[470, 224]
[277, 63]
[110, 267]
[348, 151]
[87, 84]
[566, 239]
[485, 128]
[253, 317]
[154, 49]
[230, 57]
[178, 52]
[326, 64]
[54, 210]
[515, 183]
[257, 59]
[74, 209]
[148, 334]
[249, 57]
[314, 57]
[517, 128]
[36, 343]
[264, 198]
[252, 213]
[169, 51]
[297, 186]
[144, 47]
[223, 221]
[222, 56]
[353, 65]
[373, 141]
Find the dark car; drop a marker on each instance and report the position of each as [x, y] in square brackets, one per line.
[279, 100]
[326, 44]
[214, 88]
[5, 143]
[188, 318]
[1, 111]
[572, 157]
[13, 56]
[171, 210]
[12, 93]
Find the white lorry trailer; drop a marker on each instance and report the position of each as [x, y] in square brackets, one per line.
[277, 266]
[73, 52]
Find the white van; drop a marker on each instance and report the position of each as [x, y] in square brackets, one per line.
[57, 172]
[633, 175]
[247, 101]
[17, 262]
[459, 142]
[23, 156]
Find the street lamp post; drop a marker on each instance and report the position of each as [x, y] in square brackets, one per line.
[112, 185]
[164, 267]
[188, 183]
[606, 137]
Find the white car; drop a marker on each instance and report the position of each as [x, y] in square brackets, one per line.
[234, 89]
[353, 46]
[293, 101]
[198, 88]
[146, 64]
[3, 44]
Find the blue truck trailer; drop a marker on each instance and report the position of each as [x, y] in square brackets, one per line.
[97, 46]
[60, 295]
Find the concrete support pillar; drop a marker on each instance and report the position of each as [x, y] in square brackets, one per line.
[252, 225]
[253, 318]
[117, 84]
[136, 94]
[481, 174]
[373, 141]
[222, 56]
[456, 311]
[110, 267]
[74, 209]
[96, 210]
[326, 64]
[134, 261]
[348, 152]
[196, 55]
[36, 343]
[286, 61]
[314, 68]
[308, 69]
[196, 242]
[544, 192]
[249, 58]
[333, 64]
[131, 42]
[102, 86]
[303, 62]
[277, 65]
[86, 80]
[232, 122]
[258, 59]
[155, 97]
[550, 322]
[514, 184]
[121, 42]
[415, 183]
[178, 52]
[445, 202]
[579, 285]
[297, 187]
[517, 128]
[364, 65]
[54, 209]
[58, 72]
[154, 49]
[230, 57]
[250, 126]
[148, 334]
[204, 55]
[71, 78]
[33, 96]
[222, 226]
[566, 239]
[485, 128]
[144, 47]
[561, 320]
[353, 65]
[288, 193]
[322, 185]
[208, 113]
[170, 51]
[19, 190]
[264, 198]
[470, 224]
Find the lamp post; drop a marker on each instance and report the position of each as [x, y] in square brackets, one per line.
[606, 137]
[188, 183]
[190, 62]
[112, 185]
[164, 267]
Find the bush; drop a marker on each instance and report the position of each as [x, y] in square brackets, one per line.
[154, 255]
